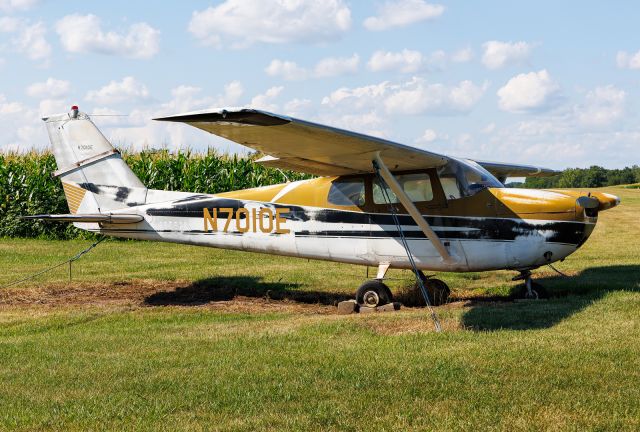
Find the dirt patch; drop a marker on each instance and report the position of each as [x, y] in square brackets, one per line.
[153, 293]
[223, 294]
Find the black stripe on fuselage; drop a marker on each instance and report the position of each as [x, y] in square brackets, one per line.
[485, 228]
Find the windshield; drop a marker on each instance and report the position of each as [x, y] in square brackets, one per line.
[464, 177]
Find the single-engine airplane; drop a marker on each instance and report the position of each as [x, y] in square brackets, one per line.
[374, 202]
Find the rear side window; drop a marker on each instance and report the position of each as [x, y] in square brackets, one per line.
[347, 192]
[416, 186]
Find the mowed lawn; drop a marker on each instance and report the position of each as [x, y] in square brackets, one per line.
[149, 336]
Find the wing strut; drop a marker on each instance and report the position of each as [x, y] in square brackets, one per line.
[411, 208]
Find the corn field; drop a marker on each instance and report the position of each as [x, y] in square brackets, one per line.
[27, 188]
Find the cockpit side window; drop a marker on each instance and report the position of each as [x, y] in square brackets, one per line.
[347, 192]
[417, 186]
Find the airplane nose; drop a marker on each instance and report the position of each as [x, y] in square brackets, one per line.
[607, 201]
[598, 201]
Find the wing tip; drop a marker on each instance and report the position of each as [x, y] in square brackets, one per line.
[245, 115]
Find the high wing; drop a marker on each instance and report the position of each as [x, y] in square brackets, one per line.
[308, 147]
[313, 148]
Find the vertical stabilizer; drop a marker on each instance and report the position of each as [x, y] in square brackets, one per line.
[94, 176]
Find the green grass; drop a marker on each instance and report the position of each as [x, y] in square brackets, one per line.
[569, 363]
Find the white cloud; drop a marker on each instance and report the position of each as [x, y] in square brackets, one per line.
[334, 66]
[499, 54]
[128, 90]
[138, 131]
[627, 60]
[9, 6]
[558, 142]
[428, 136]
[358, 98]
[401, 13]
[463, 55]
[370, 123]
[325, 68]
[411, 61]
[241, 23]
[406, 61]
[489, 128]
[581, 135]
[419, 97]
[7, 107]
[435, 141]
[413, 97]
[9, 24]
[32, 42]
[298, 108]
[287, 70]
[84, 34]
[265, 100]
[20, 127]
[28, 39]
[51, 88]
[530, 92]
[53, 105]
[233, 91]
[602, 107]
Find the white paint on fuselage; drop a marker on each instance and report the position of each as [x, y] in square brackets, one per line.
[526, 251]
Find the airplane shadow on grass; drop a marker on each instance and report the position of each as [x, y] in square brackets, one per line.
[567, 296]
[227, 288]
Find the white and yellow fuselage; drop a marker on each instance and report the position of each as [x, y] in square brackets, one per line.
[498, 228]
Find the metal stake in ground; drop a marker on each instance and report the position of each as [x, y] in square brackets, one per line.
[70, 260]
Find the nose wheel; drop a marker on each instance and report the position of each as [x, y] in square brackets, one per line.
[530, 290]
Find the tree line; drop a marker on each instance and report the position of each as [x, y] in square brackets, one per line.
[592, 177]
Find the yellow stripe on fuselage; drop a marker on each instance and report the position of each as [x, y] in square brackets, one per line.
[494, 202]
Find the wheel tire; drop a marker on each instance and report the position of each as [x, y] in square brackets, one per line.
[438, 291]
[373, 293]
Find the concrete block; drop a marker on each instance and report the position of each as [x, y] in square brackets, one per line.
[365, 309]
[389, 307]
[347, 307]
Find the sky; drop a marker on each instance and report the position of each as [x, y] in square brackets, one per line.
[549, 83]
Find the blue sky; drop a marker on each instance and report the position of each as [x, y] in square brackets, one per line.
[548, 83]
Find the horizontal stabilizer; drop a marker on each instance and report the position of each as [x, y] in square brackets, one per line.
[89, 218]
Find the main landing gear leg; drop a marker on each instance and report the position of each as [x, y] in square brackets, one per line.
[532, 290]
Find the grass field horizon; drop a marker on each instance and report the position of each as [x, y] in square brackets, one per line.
[154, 336]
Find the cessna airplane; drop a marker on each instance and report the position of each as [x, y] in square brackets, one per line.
[374, 202]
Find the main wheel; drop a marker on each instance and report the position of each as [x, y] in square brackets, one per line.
[373, 293]
[438, 291]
